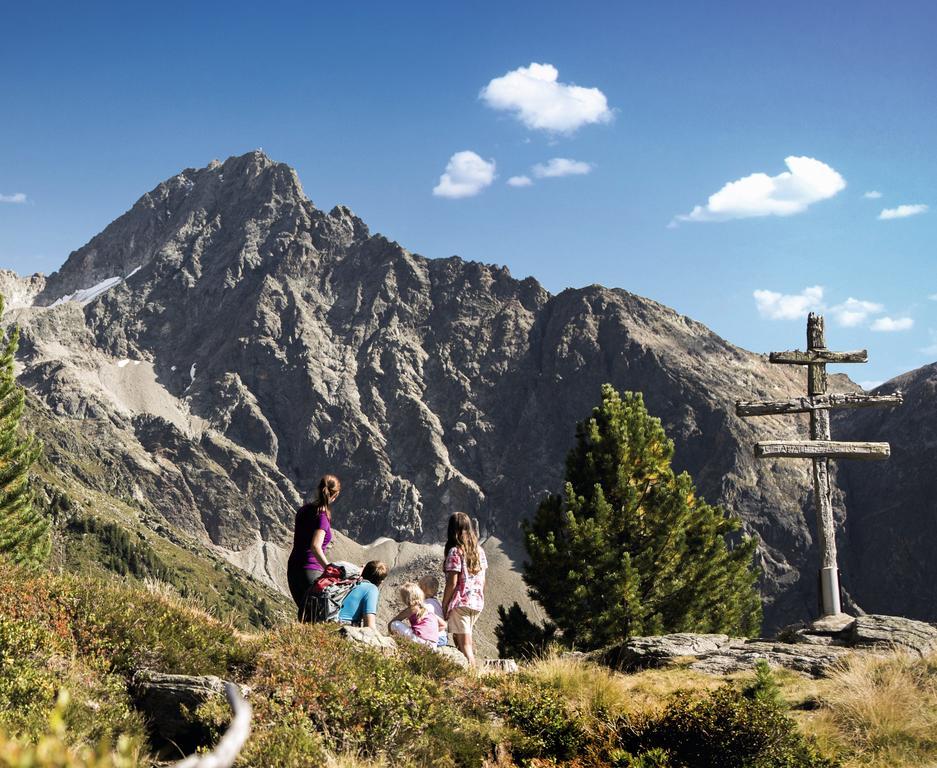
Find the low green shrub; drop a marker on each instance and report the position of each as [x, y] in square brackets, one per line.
[27, 687]
[40, 656]
[725, 729]
[546, 728]
[763, 687]
[357, 699]
[423, 661]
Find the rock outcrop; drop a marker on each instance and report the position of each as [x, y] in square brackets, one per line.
[811, 649]
[169, 703]
[227, 342]
[387, 646]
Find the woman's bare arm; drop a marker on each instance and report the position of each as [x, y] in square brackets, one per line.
[318, 539]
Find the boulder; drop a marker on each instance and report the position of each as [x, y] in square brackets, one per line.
[454, 655]
[892, 633]
[370, 638]
[169, 701]
[812, 660]
[387, 646]
[657, 650]
[811, 649]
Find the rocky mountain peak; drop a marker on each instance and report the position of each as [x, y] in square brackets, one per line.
[191, 205]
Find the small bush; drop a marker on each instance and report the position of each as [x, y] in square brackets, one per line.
[423, 661]
[27, 688]
[357, 699]
[546, 727]
[519, 637]
[284, 738]
[726, 729]
[764, 687]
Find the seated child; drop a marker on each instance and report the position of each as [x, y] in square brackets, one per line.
[360, 606]
[430, 586]
[416, 621]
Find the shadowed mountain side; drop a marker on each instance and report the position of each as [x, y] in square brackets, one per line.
[892, 505]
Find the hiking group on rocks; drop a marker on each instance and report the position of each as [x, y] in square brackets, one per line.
[324, 590]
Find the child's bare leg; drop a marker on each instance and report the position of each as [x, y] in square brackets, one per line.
[464, 643]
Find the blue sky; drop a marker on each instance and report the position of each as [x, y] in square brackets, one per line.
[99, 102]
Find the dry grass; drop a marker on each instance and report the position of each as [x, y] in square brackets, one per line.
[872, 712]
[880, 711]
[595, 691]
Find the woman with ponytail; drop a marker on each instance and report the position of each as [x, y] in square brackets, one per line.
[311, 537]
[464, 596]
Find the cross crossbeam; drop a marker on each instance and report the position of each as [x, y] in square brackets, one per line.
[821, 449]
[818, 357]
[816, 403]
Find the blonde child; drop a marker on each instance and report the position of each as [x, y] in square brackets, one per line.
[416, 621]
[430, 586]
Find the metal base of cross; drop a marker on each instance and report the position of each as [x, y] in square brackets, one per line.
[829, 591]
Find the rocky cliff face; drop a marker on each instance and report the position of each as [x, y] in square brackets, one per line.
[892, 520]
[232, 342]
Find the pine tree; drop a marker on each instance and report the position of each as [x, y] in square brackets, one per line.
[24, 532]
[629, 548]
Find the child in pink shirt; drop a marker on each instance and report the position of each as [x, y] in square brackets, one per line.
[424, 624]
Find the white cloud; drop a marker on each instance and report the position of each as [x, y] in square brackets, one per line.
[868, 385]
[892, 324]
[933, 297]
[805, 182]
[902, 211]
[519, 181]
[15, 198]
[872, 194]
[560, 166]
[466, 175]
[779, 306]
[537, 98]
[853, 312]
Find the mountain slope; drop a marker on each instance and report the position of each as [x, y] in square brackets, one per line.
[237, 342]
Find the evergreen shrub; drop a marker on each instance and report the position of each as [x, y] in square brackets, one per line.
[629, 548]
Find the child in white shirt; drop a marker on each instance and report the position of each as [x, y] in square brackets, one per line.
[430, 586]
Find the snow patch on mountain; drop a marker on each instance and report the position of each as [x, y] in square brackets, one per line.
[86, 295]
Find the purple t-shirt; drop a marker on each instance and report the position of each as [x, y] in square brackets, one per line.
[309, 519]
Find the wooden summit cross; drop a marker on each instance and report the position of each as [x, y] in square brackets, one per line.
[820, 447]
